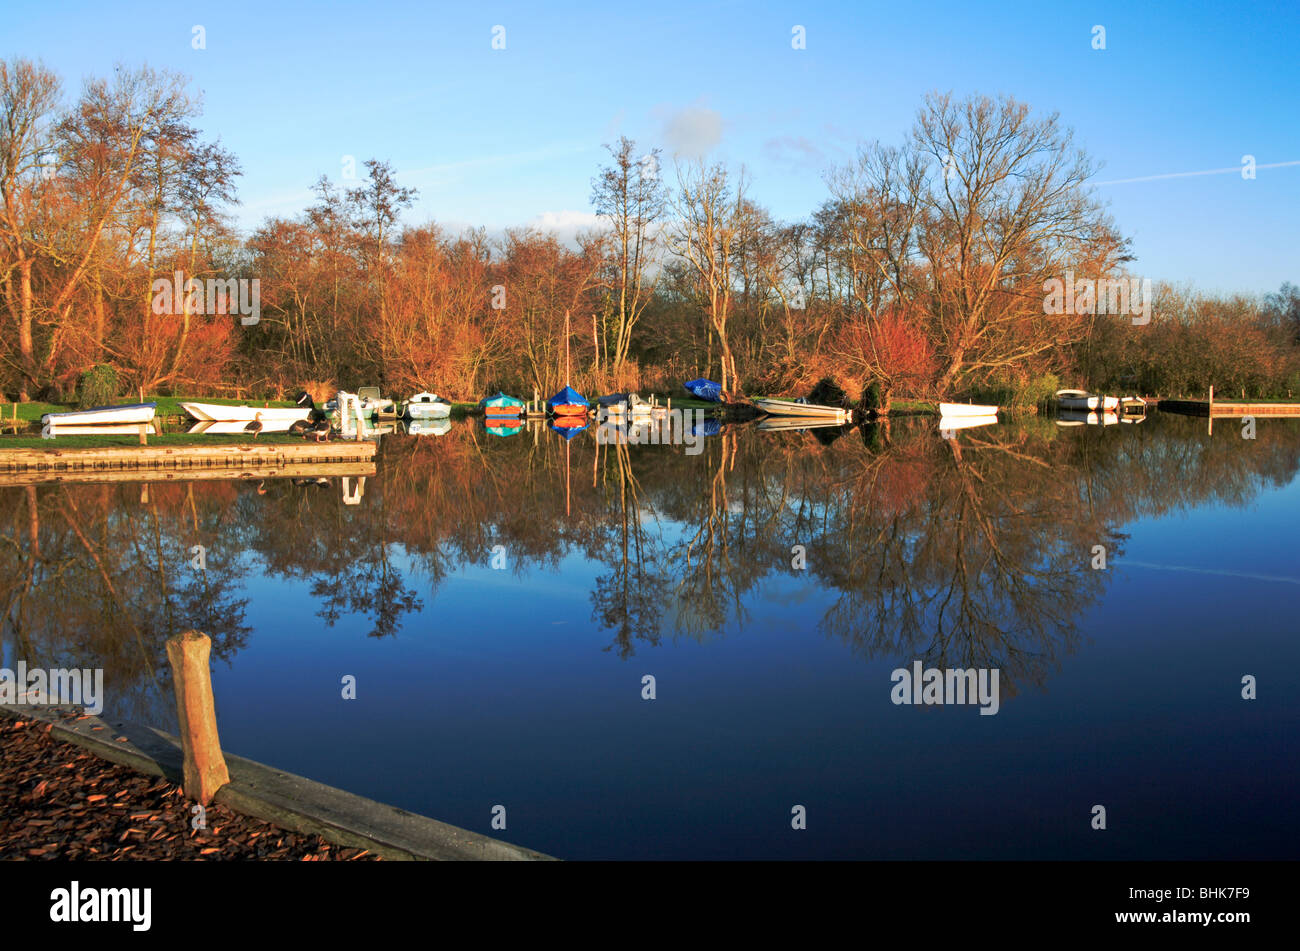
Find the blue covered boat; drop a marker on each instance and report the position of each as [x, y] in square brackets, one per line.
[502, 406]
[704, 389]
[568, 402]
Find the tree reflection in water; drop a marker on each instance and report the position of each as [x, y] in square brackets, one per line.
[974, 551]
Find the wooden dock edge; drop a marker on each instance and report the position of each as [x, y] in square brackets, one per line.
[291, 802]
[197, 456]
[1220, 410]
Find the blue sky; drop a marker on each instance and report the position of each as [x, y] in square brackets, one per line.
[514, 136]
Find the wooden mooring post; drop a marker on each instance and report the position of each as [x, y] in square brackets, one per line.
[205, 768]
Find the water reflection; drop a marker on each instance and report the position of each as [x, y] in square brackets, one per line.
[970, 551]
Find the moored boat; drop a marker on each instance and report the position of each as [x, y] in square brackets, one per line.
[1132, 408]
[638, 407]
[1081, 399]
[221, 413]
[611, 405]
[955, 410]
[427, 406]
[502, 406]
[802, 408]
[134, 413]
[568, 402]
[372, 404]
[703, 389]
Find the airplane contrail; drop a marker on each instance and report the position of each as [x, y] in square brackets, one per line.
[1208, 171]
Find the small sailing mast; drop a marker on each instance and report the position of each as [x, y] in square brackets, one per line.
[567, 381]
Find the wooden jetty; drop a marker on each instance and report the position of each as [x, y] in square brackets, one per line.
[1217, 410]
[187, 463]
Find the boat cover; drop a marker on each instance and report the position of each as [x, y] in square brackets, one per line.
[704, 389]
[501, 399]
[568, 396]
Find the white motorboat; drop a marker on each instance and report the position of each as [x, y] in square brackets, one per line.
[427, 406]
[639, 408]
[372, 404]
[219, 413]
[802, 408]
[134, 413]
[1080, 399]
[956, 410]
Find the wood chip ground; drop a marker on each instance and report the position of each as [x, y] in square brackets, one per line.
[58, 801]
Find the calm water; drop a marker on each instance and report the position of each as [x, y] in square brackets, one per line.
[499, 601]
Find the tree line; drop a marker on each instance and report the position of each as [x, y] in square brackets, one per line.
[922, 273]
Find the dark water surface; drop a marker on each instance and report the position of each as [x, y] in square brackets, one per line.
[499, 601]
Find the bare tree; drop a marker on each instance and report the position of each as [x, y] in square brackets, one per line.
[629, 195]
[1004, 208]
[29, 96]
[710, 221]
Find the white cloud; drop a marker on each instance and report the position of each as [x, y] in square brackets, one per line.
[693, 131]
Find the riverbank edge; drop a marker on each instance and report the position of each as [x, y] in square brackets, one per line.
[292, 802]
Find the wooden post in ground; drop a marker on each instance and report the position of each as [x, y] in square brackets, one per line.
[205, 767]
[144, 437]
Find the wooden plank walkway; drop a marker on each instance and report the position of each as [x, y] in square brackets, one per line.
[159, 463]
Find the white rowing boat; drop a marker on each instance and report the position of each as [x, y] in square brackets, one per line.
[101, 416]
[1080, 399]
[427, 406]
[966, 409]
[802, 409]
[219, 413]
